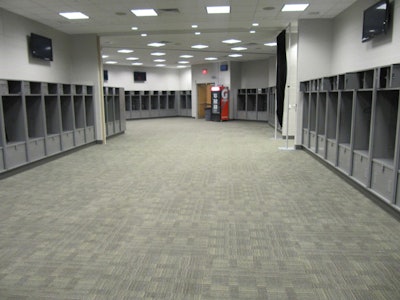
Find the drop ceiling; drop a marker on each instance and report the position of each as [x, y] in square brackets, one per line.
[112, 21]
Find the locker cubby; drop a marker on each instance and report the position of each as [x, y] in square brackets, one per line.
[66, 89]
[326, 84]
[362, 126]
[313, 111]
[109, 104]
[385, 123]
[78, 89]
[345, 117]
[321, 128]
[189, 101]
[251, 102]
[171, 102]
[262, 102]
[368, 79]
[35, 88]
[14, 120]
[305, 86]
[89, 110]
[67, 114]
[154, 102]
[117, 111]
[128, 106]
[52, 88]
[137, 93]
[34, 116]
[146, 92]
[14, 87]
[79, 112]
[384, 77]
[353, 81]
[183, 102]
[145, 101]
[52, 115]
[321, 114]
[135, 103]
[332, 106]
[251, 91]
[306, 120]
[163, 102]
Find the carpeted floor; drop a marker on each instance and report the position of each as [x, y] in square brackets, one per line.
[187, 209]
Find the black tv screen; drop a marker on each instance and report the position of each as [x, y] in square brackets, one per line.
[376, 20]
[139, 76]
[41, 47]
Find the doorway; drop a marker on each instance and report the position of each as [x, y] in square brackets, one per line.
[203, 98]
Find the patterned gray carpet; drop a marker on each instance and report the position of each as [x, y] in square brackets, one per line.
[188, 209]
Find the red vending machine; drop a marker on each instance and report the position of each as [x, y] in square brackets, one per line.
[220, 103]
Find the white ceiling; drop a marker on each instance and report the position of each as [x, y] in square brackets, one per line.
[112, 20]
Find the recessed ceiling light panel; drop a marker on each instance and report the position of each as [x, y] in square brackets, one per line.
[231, 41]
[160, 65]
[273, 44]
[137, 64]
[218, 9]
[132, 58]
[295, 7]
[156, 44]
[183, 62]
[211, 58]
[235, 55]
[199, 46]
[74, 15]
[111, 62]
[239, 48]
[125, 51]
[159, 60]
[158, 53]
[144, 12]
[186, 56]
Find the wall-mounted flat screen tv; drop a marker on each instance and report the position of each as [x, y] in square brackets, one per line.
[376, 20]
[41, 47]
[139, 76]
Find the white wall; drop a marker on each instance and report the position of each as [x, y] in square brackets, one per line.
[15, 60]
[350, 54]
[255, 74]
[158, 79]
[314, 48]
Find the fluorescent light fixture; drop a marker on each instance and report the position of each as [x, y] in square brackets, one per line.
[231, 41]
[295, 7]
[134, 28]
[160, 65]
[199, 46]
[74, 15]
[239, 48]
[105, 56]
[143, 34]
[159, 60]
[197, 33]
[137, 64]
[195, 26]
[252, 31]
[158, 53]
[111, 62]
[144, 12]
[255, 24]
[218, 9]
[156, 44]
[186, 56]
[211, 58]
[181, 67]
[273, 44]
[125, 51]
[183, 62]
[235, 55]
[132, 58]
